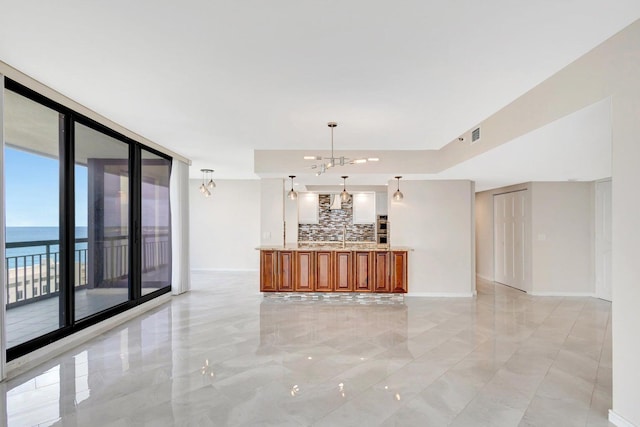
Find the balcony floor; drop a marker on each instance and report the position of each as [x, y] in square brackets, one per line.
[40, 317]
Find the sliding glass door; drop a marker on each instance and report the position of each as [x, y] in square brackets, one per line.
[32, 170]
[87, 221]
[102, 221]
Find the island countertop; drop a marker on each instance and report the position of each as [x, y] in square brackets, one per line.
[334, 246]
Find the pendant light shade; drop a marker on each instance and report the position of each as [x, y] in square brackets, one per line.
[344, 196]
[398, 196]
[292, 194]
[206, 186]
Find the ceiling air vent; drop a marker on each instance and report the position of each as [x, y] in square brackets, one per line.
[475, 135]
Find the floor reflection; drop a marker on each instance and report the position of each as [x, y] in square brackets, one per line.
[323, 326]
[224, 355]
[95, 376]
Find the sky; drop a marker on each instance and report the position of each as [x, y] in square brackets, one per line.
[32, 194]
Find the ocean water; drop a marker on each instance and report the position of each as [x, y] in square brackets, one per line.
[32, 254]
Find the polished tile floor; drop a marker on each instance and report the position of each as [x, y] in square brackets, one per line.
[224, 355]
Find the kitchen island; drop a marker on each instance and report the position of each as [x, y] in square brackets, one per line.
[333, 267]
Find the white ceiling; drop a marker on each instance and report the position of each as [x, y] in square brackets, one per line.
[215, 80]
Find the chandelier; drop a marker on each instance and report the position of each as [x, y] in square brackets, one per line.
[333, 161]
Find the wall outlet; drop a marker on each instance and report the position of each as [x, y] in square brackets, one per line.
[542, 237]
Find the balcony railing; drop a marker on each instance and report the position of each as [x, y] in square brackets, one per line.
[36, 275]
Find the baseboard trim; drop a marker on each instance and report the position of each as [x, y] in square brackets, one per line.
[562, 294]
[618, 420]
[204, 270]
[488, 279]
[441, 294]
[35, 358]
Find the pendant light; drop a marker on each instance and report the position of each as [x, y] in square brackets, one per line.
[344, 196]
[397, 196]
[292, 194]
[206, 186]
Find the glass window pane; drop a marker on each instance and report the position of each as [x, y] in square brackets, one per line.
[32, 169]
[156, 223]
[102, 213]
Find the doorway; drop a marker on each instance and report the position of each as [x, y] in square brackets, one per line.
[510, 245]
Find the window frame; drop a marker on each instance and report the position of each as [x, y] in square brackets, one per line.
[67, 223]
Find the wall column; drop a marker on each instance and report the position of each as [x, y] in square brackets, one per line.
[179, 202]
[625, 316]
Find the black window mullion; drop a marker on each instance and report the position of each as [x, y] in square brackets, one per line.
[135, 208]
[67, 221]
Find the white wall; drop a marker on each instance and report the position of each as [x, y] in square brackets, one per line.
[225, 228]
[562, 238]
[560, 234]
[291, 217]
[625, 253]
[271, 211]
[436, 220]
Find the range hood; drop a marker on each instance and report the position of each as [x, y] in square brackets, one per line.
[337, 203]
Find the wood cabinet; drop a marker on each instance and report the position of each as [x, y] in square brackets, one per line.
[333, 271]
[308, 208]
[343, 271]
[363, 271]
[268, 269]
[304, 271]
[364, 208]
[285, 271]
[324, 271]
[382, 274]
[399, 271]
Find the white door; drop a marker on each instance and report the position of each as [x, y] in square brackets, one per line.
[510, 246]
[603, 240]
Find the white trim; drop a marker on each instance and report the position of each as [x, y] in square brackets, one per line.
[562, 294]
[619, 421]
[41, 355]
[203, 270]
[442, 294]
[3, 306]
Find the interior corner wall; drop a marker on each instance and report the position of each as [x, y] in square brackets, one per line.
[435, 219]
[225, 228]
[625, 261]
[562, 238]
[271, 211]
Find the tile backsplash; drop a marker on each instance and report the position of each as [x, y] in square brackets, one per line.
[331, 224]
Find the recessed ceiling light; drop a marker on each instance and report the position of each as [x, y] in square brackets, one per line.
[358, 161]
[373, 159]
[312, 158]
